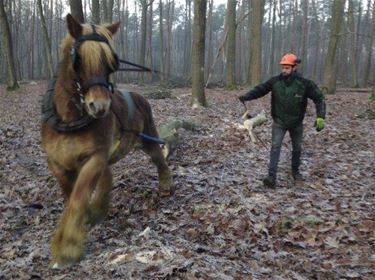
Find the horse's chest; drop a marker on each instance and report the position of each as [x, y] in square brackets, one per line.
[69, 151]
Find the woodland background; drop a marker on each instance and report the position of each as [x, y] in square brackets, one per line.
[243, 44]
[221, 223]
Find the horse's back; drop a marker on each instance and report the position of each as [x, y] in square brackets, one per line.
[132, 107]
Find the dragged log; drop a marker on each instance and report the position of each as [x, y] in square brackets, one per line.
[169, 133]
[159, 93]
[250, 122]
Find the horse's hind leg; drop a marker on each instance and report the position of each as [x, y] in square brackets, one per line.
[165, 176]
[100, 202]
[68, 240]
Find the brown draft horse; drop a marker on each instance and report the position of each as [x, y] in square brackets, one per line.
[91, 127]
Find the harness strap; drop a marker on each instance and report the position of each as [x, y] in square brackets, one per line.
[130, 103]
[49, 114]
[131, 108]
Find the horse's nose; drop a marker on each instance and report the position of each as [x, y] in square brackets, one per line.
[101, 113]
[98, 109]
[92, 107]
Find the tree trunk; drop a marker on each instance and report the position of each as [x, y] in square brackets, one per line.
[95, 12]
[142, 47]
[126, 32]
[149, 40]
[329, 78]
[198, 94]
[271, 67]
[161, 33]
[47, 42]
[109, 17]
[353, 45]
[7, 49]
[369, 48]
[168, 55]
[239, 43]
[210, 38]
[305, 8]
[187, 40]
[255, 59]
[317, 42]
[76, 10]
[230, 82]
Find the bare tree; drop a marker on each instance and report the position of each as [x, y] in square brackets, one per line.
[187, 40]
[305, 8]
[142, 51]
[271, 61]
[149, 59]
[95, 11]
[198, 94]
[353, 45]
[230, 82]
[76, 10]
[329, 77]
[170, 19]
[369, 48]
[161, 34]
[7, 49]
[109, 13]
[255, 56]
[47, 42]
[210, 37]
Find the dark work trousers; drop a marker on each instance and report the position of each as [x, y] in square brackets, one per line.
[278, 133]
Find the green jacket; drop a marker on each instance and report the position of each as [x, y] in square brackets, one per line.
[289, 98]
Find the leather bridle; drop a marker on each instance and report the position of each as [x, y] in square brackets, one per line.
[82, 88]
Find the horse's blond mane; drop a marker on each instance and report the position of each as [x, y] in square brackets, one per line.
[93, 54]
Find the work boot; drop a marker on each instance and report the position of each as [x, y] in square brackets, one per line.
[270, 181]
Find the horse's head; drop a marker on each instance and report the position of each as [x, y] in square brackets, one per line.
[90, 58]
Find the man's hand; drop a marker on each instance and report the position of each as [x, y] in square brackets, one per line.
[242, 98]
[319, 124]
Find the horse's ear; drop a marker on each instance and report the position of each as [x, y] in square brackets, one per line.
[113, 27]
[74, 27]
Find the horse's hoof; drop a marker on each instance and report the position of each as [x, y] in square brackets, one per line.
[56, 266]
[165, 193]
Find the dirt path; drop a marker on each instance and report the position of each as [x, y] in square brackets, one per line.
[221, 223]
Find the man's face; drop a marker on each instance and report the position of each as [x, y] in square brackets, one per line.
[287, 69]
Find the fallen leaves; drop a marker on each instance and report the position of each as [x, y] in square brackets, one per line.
[221, 222]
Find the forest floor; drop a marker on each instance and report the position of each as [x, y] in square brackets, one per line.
[221, 223]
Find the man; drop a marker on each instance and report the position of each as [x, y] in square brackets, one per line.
[288, 107]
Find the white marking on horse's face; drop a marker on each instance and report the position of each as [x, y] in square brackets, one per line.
[98, 102]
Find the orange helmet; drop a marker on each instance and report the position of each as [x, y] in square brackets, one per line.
[290, 59]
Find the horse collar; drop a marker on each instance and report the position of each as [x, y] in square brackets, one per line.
[50, 116]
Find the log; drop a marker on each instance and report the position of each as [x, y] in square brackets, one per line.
[159, 94]
[353, 90]
[251, 122]
[169, 133]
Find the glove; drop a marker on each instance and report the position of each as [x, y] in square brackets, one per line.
[242, 98]
[319, 124]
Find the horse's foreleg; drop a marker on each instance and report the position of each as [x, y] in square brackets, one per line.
[66, 179]
[68, 240]
[100, 202]
[165, 176]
